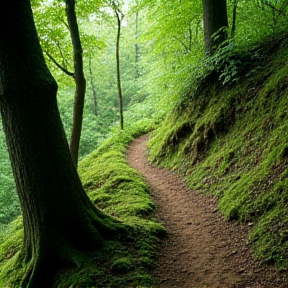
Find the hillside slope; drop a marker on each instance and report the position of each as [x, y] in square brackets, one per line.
[231, 140]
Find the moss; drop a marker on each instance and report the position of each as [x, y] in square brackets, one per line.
[270, 238]
[120, 191]
[9, 253]
[236, 148]
[121, 265]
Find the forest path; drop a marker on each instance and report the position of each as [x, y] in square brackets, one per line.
[202, 249]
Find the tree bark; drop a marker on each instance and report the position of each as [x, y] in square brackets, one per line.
[215, 23]
[59, 220]
[79, 80]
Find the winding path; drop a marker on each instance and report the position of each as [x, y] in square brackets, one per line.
[202, 249]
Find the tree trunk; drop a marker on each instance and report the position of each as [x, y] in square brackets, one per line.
[119, 20]
[137, 53]
[215, 23]
[59, 220]
[79, 80]
[95, 101]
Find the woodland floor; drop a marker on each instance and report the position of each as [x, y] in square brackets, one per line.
[202, 249]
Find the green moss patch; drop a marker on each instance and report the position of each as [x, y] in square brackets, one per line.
[121, 192]
[231, 141]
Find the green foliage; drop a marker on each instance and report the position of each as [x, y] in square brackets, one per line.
[171, 46]
[231, 141]
[98, 36]
[258, 19]
[9, 202]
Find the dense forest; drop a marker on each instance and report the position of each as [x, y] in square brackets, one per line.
[79, 80]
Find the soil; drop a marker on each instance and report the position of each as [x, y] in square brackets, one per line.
[201, 249]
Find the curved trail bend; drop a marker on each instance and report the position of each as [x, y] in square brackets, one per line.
[202, 249]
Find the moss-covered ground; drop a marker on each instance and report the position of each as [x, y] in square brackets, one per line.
[232, 141]
[120, 191]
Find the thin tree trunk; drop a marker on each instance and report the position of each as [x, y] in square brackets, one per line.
[190, 38]
[215, 23]
[93, 89]
[60, 222]
[80, 81]
[119, 20]
[137, 53]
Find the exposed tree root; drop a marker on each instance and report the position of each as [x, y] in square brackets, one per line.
[67, 252]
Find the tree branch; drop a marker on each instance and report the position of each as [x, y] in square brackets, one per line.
[280, 11]
[65, 62]
[182, 43]
[64, 22]
[72, 74]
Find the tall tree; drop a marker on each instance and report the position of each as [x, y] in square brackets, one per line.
[59, 220]
[77, 74]
[119, 16]
[93, 88]
[137, 53]
[79, 80]
[215, 22]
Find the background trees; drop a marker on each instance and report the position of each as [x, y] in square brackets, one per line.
[162, 50]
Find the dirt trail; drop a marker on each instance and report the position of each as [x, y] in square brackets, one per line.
[202, 249]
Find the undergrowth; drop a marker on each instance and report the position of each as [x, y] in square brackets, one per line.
[229, 138]
[120, 191]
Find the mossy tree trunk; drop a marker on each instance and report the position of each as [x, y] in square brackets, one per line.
[215, 23]
[80, 81]
[59, 220]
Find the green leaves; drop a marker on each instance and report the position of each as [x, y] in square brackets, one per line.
[9, 203]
